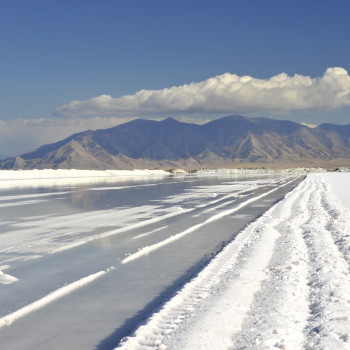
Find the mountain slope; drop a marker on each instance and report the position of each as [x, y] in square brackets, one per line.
[170, 143]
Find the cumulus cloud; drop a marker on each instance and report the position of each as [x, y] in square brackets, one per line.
[225, 94]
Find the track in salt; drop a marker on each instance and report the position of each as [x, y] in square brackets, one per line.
[186, 303]
[270, 323]
[329, 278]
[338, 222]
[282, 284]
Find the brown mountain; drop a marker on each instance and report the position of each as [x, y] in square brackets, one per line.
[223, 142]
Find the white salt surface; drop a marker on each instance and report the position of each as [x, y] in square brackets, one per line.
[241, 171]
[283, 283]
[118, 222]
[339, 183]
[64, 177]
[68, 173]
[7, 279]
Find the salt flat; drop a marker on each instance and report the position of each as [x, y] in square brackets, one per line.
[83, 263]
[282, 283]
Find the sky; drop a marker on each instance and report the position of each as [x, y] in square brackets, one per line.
[69, 66]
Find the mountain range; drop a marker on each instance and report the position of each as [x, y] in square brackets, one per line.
[228, 141]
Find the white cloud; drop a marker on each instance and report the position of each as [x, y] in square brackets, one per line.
[225, 94]
[222, 95]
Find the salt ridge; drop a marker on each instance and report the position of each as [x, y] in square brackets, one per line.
[292, 265]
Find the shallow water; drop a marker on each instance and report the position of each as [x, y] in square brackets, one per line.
[53, 236]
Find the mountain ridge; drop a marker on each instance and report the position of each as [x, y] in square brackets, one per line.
[170, 143]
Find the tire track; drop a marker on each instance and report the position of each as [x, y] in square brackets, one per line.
[329, 280]
[238, 261]
[284, 283]
[338, 221]
[270, 324]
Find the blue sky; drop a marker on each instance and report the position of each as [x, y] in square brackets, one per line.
[54, 52]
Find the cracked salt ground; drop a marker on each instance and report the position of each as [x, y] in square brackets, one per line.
[283, 283]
